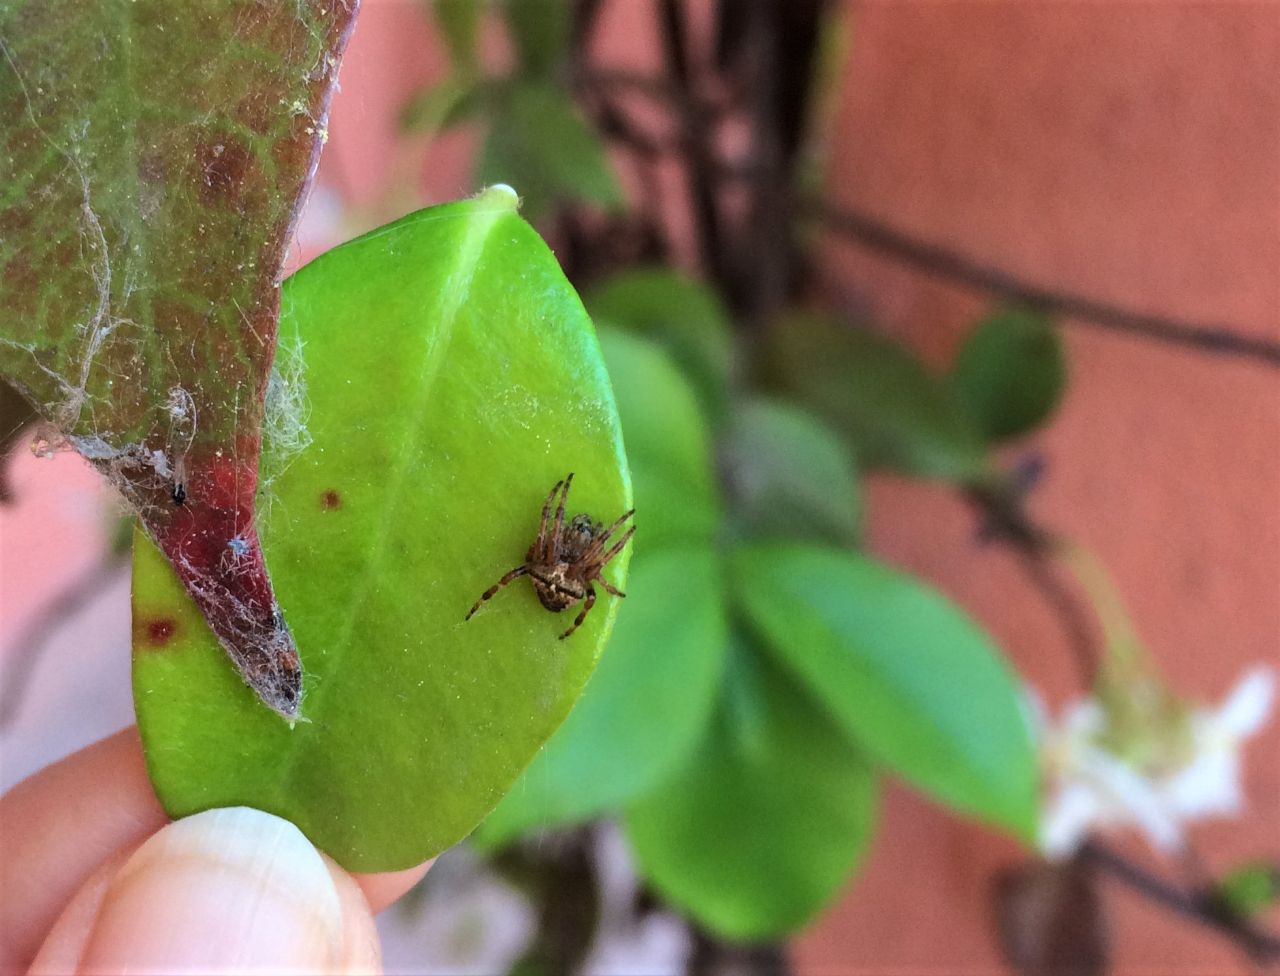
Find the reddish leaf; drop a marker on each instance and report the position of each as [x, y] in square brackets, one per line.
[152, 163]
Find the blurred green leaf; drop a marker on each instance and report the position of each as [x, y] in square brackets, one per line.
[757, 833]
[1250, 889]
[645, 708]
[540, 32]
[791, 475]
[539, 142]
[878, 393]
[459, 23]
[446, 104]
[667, 445]
[911, 678]
[437, 432]
[1010, 373]
[684, 316]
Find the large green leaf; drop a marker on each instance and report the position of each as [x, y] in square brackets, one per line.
[152, 159]
[646, 705]
[667, 444]
[760, 829]
[790, 475]
[876, 391]
[910, 677]
[453, 377]
[1010, 372]
[539, 142]
[683, 316]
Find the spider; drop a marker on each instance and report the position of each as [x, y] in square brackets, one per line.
[565, 560]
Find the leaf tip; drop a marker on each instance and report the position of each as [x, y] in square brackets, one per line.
[499, 196]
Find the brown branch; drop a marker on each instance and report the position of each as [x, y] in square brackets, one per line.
[1199, 906]
[1004, 518]
[1074, 620]
[693, 122]
[942, 262]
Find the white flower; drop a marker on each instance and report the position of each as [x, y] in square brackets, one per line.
[1184, 765]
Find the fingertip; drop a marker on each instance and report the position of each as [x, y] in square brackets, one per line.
[94, 803]
[214, 881]
[382, 889]
[360, 949]
[222, 890]
[64, 945]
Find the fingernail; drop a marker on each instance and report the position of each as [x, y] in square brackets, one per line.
[230, 889]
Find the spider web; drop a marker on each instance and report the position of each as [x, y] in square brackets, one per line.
[149, 185]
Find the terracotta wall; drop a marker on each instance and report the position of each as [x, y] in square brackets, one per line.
[1131, 153]
[1127, 151]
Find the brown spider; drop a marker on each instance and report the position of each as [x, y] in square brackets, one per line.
[565, 560]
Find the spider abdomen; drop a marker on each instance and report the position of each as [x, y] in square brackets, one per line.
[556, 589]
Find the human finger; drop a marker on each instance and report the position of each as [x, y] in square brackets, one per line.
[226, 890]
[60, 824]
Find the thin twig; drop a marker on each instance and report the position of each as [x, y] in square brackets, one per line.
[1005, 519]
[702, 168]
[1074, 620]
[942, 262]
[1199, 906]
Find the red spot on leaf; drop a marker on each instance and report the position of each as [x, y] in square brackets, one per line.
[158, 631]
[331, 499]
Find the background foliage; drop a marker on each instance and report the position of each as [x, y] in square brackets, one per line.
[766, 674]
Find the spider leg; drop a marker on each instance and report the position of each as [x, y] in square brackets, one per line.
[514, 574]
[616, 547]
[540, 546]
[553, 543]
[600, 540]
[586, 609]
[609, 586]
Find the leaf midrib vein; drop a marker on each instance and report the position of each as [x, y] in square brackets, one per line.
[454, 298]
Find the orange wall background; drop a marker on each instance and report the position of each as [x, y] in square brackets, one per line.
[1129, 153]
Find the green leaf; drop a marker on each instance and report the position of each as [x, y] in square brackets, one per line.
[911, 678]
[790, 475]
[1250, 889]
[685, 317]
[1010, 372]
[152, 161]
[645, 708]
[458, 22]
[443, 105]
[667, 445]
[758, 832]
[540, 31]
[539, 142]
[452, 378]
[878, 393]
